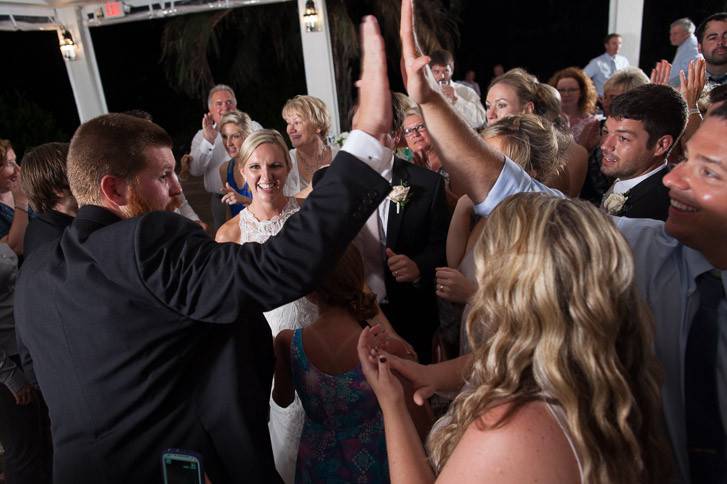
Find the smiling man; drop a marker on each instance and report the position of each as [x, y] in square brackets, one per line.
[712, 36]
[643, 125]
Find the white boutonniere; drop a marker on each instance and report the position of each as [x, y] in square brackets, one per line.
[615, 202]
[399, 195]
[339, 139]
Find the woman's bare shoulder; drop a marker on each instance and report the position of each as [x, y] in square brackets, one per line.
[230, 231]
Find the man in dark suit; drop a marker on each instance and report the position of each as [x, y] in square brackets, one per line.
[643, 126]
[145, 333]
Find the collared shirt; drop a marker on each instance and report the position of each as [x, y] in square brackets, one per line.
[623, 186]
[600, 68]
[469, 106]
[686, 52]
[714, 81]
[666, 272]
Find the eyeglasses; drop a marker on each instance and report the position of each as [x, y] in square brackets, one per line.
[415, 129]
[569, 90]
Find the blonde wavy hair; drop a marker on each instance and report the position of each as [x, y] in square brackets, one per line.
[260, 137]
[311, 109]
[563, 323]
[239, 119]
[530, 141]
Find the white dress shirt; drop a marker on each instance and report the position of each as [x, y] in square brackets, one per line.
[600, 68]
[469, 106]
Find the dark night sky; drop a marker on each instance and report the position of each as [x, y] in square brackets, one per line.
[541, 37]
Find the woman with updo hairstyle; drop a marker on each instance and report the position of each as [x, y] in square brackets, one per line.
[530, 141]
[578, 102]
[562, 383]
[518, 92]
[343, 424]
[14, 209]
[308, 123]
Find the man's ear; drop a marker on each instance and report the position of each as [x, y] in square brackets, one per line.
[663, 145]
[115, 190]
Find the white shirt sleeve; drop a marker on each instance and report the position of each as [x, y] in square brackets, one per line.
[201, 153]
[512, 180]
[469, 106]
[369, 150]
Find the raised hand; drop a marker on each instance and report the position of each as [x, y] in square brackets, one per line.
[417, 78]
[208, 128]
[374, 111]
[692, 83]
[231, 197]
[375, 367]
[661, 72]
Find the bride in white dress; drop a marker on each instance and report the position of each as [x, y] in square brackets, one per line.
[265, 165]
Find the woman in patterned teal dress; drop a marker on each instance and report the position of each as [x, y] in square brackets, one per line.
[343, 434]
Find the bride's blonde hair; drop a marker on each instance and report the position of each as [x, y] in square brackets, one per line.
[557, 316]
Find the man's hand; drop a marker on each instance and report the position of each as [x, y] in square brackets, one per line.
[661, 72]
[692, 83]
[208, 128]
[418, 83]
[402, 267]
[374, 111]
[24, 395]
[20, 198]
[453, 286]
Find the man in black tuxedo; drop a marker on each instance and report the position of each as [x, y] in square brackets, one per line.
[145, 333]
[643, 126]
[404, 241]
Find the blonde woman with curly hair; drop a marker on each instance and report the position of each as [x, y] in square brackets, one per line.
[561, 386]
[578, 102]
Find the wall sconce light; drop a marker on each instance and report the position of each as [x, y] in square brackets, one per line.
[68, 46]
[310, 17]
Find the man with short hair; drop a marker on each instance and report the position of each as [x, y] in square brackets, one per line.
[681, 36]
[150, 335]
[208, 151]
[642, 127]
[712, 37]
[600, 68]
[463, 99]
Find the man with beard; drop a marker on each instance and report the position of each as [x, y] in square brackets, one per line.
[712, 36]
[145, 333]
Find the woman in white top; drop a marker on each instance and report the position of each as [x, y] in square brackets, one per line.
[265, 164]
[308, 123]
[561, 385]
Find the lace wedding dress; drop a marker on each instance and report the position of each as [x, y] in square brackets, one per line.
[286, 424]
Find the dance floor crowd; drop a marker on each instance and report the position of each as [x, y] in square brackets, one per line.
[529, 289]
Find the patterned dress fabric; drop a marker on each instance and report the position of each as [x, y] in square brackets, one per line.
[343, 434]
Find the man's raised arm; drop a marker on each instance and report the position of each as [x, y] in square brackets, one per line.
[472, 165]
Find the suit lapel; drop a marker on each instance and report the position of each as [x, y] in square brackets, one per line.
[645, 188]
[393, 225]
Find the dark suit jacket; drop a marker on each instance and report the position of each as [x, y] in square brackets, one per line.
[418, 231]
[146, 334]
[44, 228]
[648, 199]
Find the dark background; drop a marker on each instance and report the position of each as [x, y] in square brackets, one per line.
[37, 105]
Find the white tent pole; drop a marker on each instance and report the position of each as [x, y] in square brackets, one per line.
[82, 71]
[626, 18]
[320, 75]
